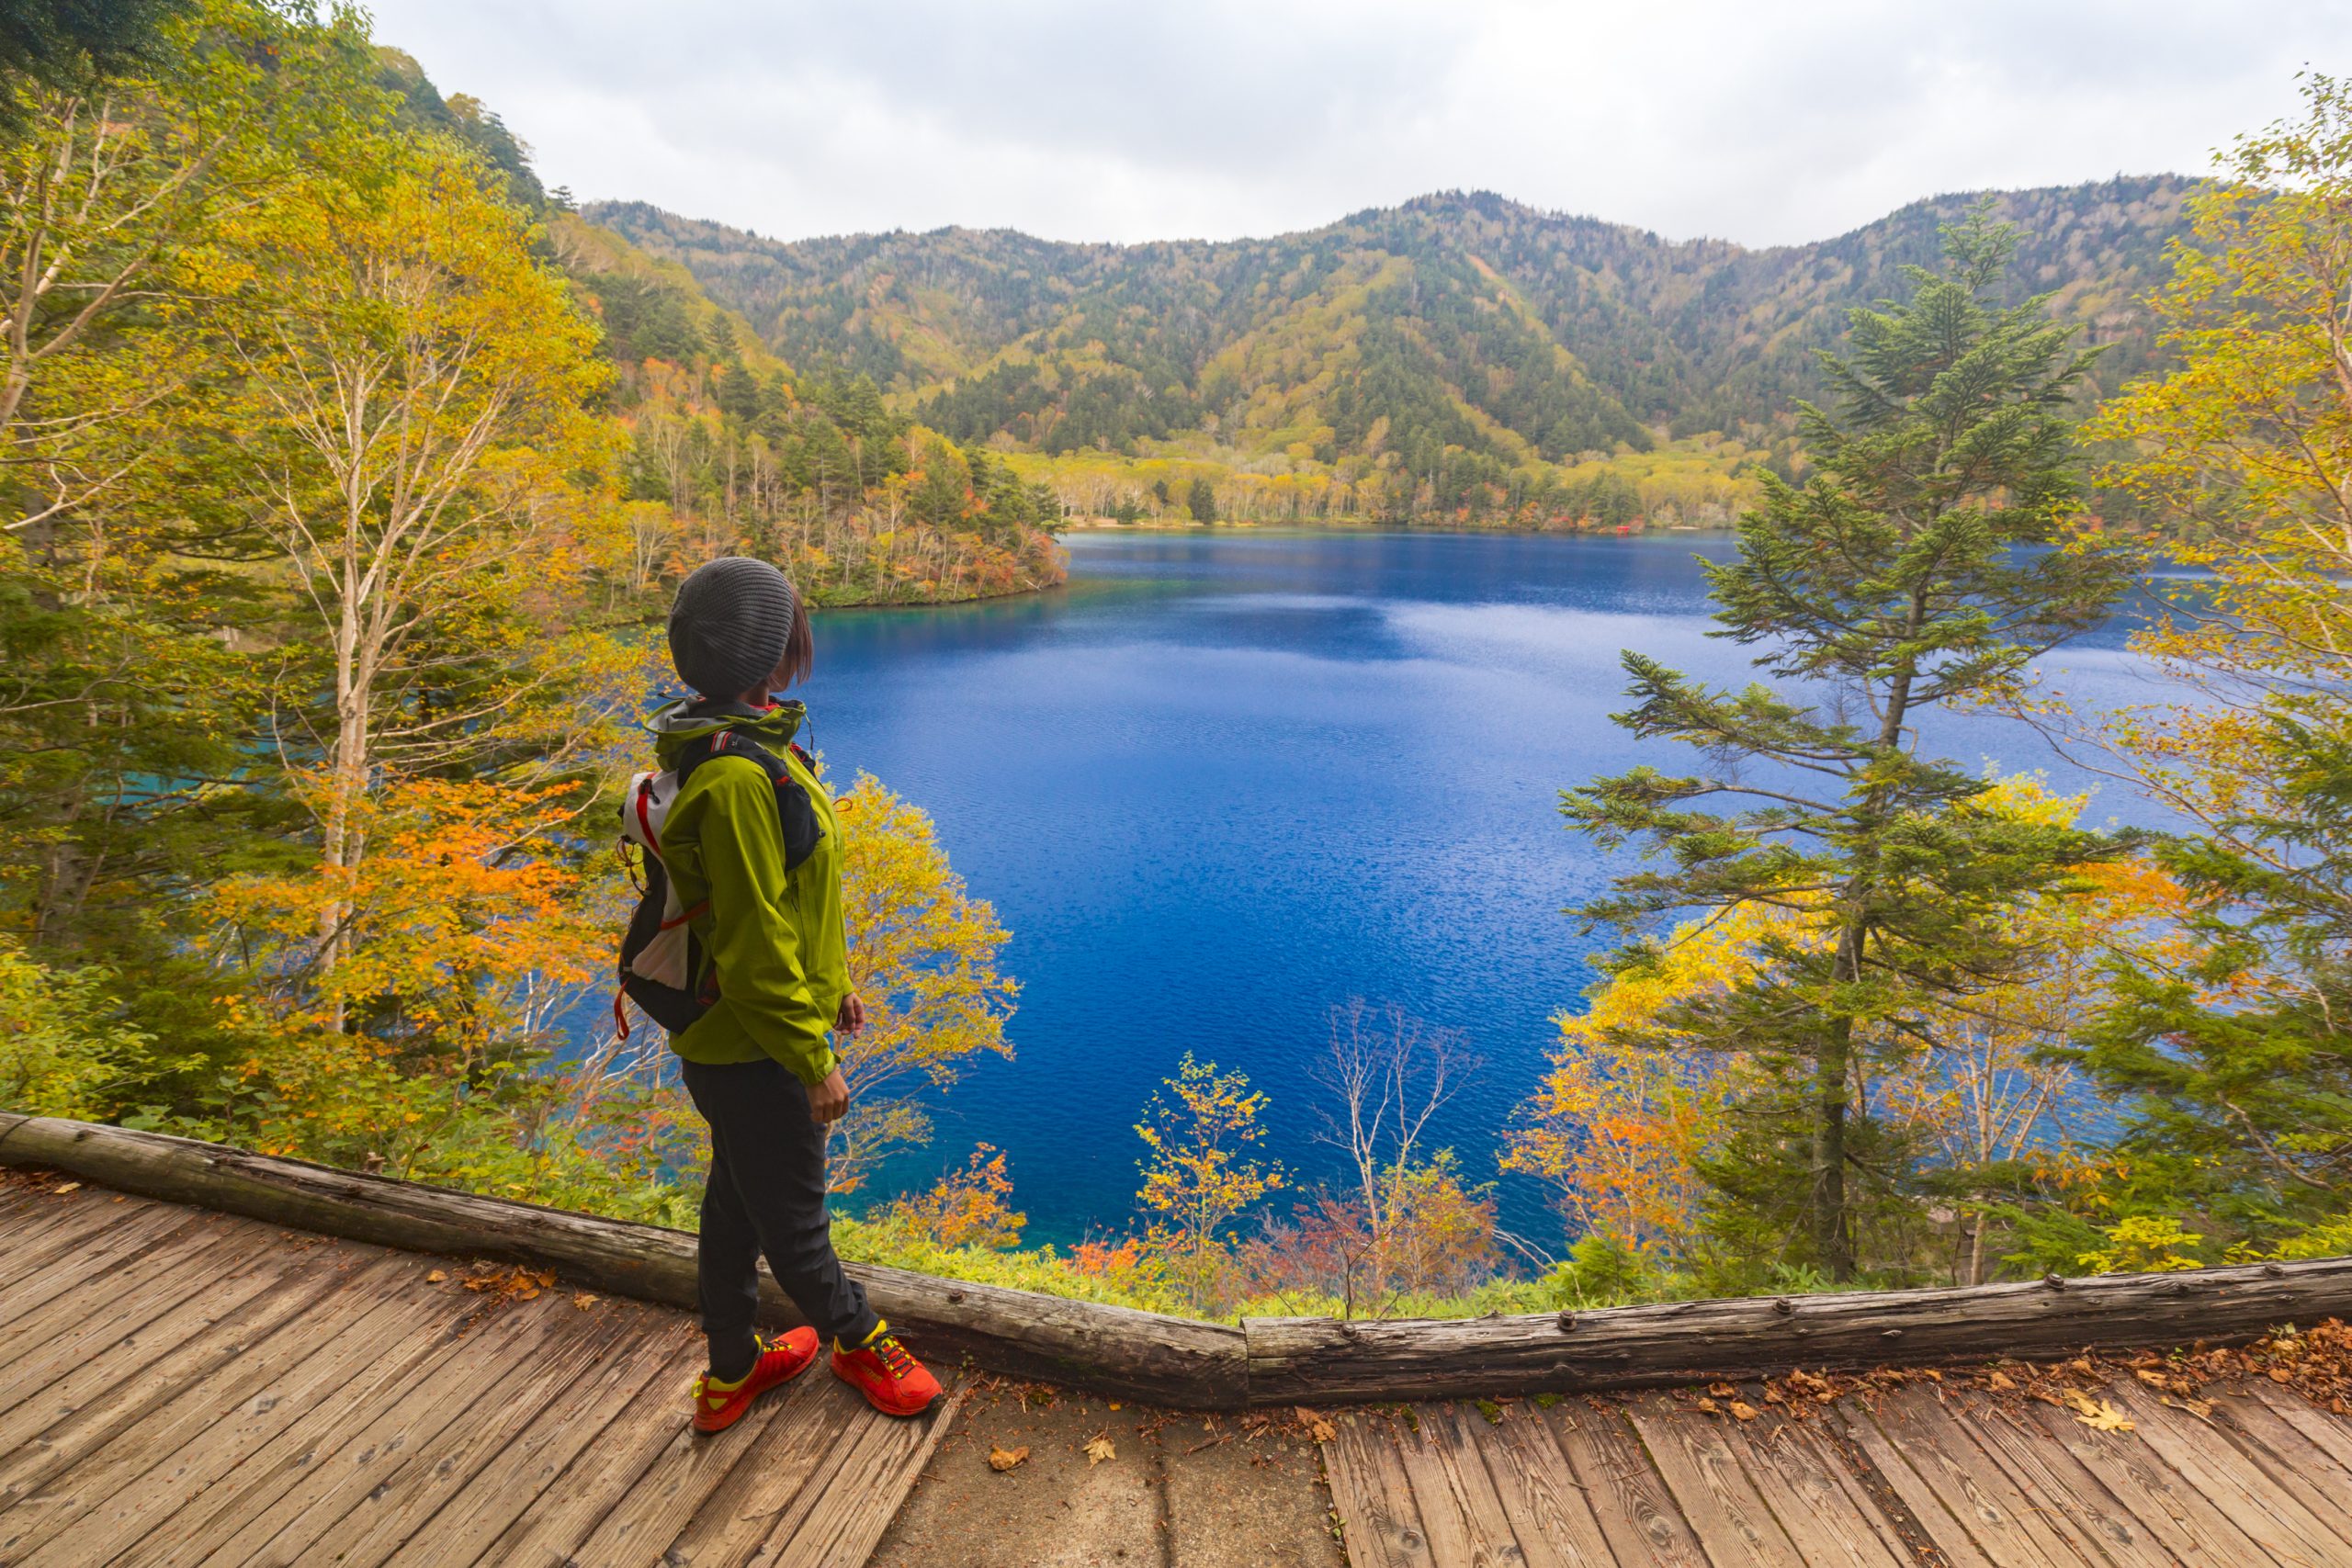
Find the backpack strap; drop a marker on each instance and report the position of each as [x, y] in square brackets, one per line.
[796, 815]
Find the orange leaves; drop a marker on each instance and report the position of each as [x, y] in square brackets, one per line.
[967, 1208]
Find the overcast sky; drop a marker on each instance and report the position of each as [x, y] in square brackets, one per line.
[1763, 122]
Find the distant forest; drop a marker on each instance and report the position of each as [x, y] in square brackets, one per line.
[1460, 358]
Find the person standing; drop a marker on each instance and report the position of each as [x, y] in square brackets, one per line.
[754, 855]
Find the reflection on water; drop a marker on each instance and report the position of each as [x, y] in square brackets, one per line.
[1223, 782]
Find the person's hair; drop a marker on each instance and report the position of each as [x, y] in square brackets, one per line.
[800, 643]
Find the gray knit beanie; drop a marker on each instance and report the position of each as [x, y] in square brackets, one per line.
[728, 624]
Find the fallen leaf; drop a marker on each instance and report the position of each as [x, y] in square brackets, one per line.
[1114, 1405]
[1320, 1430]
[1097, 1451]
[1710, 1406]
[2002, 1382]
[583, 1301]
[1742, 1410]
[1722, 1390]
[2280, 1374]
[2101, 1417]
[2152, 1379]
[437, 1276]
[1002, 1460]
[65, 1187]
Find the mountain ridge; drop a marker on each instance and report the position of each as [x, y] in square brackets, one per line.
[1458, 352]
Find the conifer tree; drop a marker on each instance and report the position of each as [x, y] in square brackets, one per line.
[1901, 578]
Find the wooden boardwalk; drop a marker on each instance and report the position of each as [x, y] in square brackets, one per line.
[184, 1387]
[1920, 1474]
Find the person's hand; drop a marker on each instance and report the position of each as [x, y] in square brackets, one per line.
[852, 1017]
[829, 1099]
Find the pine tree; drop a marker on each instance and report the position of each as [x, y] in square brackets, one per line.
[1901, 578]
[1200, 500]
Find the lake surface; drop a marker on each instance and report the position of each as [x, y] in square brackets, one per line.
[1226, 780]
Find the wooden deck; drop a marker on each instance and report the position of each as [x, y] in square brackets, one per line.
[1920, 1474]
[184, 1387]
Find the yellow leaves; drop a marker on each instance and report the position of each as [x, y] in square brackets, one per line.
[437, 1276]
[2099, 1415]
[1002, 1461]
[1099, 1449]
[2144, 1244]
[1318, 1427]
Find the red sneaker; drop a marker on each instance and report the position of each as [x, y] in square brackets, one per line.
[718, 1406]
[892, 1381]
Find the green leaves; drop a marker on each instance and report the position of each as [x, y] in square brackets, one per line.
[1900, 577]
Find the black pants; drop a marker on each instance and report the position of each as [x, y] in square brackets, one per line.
[766, 1195]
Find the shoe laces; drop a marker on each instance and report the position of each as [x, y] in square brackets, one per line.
[895, 1359]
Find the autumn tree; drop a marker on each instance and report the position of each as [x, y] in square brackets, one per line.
[1903, 578]
[125, 602]
[2238, 1059]
[923, 953]
[410, 389]
[1199, 1173]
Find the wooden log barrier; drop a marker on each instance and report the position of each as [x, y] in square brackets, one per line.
[1140, 1355]
[1194, 1365]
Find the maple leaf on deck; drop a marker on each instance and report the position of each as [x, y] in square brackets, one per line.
[1099, 1449]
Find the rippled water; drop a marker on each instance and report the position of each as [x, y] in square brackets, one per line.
[1224, 781]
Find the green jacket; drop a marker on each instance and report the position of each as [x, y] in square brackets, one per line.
[776, 940]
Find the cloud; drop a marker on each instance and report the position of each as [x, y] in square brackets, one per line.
[1766, 124]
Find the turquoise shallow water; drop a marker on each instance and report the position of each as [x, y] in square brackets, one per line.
[1223, 782]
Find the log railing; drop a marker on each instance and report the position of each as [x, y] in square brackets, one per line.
[1280, 1361]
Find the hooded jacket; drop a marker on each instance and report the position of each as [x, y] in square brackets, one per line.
[775, 938]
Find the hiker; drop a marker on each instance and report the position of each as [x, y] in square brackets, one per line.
[751, 851]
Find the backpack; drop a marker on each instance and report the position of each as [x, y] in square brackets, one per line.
[661, 957]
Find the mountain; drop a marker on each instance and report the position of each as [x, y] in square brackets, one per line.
[1461, 354]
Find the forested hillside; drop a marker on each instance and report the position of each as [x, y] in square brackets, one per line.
[1461, 356]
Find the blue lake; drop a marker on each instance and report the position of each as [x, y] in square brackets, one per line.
[1224, 781]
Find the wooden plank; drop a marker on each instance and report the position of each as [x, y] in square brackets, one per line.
[642, 1522]
[1460, 1512]
[1542, 1497]
[115, 1310]
[1134, 1353]
[2011, 1527]
[2167, 1508]
[758, 1499]
[94, 1256]
[2291, 1461]
[2301, 1461]
[1630, 1500]
[43, 1234]
[2203, 1456]
[316, 1470]
[1379, 1523]
[1722, 1506]
[470, 1518]
[427, 1470]
[1947, 1531]
[2330, 1431]
[855, 1504]
[1828, 1518]
[97, 1506]
[548, 1533]
[172, 1358]
[2067, 1490]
